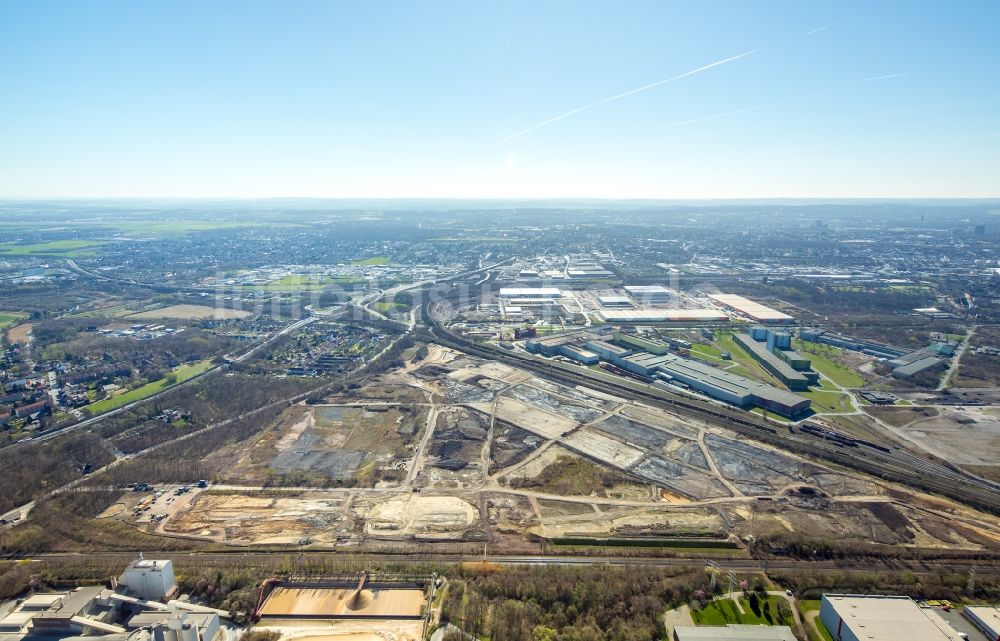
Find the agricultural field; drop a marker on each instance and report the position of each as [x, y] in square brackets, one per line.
[67, 248]
[9, 319]
[190, 312]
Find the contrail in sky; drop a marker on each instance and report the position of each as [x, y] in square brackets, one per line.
[604, 101]
[681, 123]
[817, 30]
[891, 75]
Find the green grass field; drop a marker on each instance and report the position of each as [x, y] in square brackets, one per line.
[807, 606]
[833, 370]
[707, 352]
[826, 401]
[184, 226]
[723, 611]
[374, 260]
[9, 319]
[70, 248]
[181, 374]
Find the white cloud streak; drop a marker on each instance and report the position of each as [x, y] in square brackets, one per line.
[604, 101]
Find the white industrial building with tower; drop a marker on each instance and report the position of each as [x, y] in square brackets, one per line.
[140, 606]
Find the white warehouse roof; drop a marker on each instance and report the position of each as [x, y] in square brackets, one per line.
[883, 618]
[530, 292]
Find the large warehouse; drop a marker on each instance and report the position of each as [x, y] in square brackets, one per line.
[986, 618]
[530, 292]
[733, 632]
[750, 309]
[858, 617]
[651, 294]
[660, 315]
[716, 383]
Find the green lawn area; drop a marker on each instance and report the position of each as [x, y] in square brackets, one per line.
[723, 611]
[812, 605]
[707, 352]
[384, 307]
[73, 248]
[748, 366]
[374, 260]
[771, 415]
[9, 319]
[825, 401]
[833, 370]
[181, 374]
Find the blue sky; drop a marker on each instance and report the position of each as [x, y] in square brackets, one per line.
[499, 99]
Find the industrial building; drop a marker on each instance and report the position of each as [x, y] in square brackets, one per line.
[858, 617]
[986, 618]
[149, 579]
[530, 292]
[579, 354]
[550, 345]
[615, 301]
[650, 345]
[607, 351]
[733, 632]
[913, 363]
[651, 294]
[138, 607]
[872, 348]
[715, 383]
[775, 355]
[661, 315]
[650, 358]
[750, 309]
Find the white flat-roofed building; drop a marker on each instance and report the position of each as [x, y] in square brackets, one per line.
[660, 315]
[750, 309]
[733, 632]
[615, 301]
[859, 617]
[651, 293]
[986, 618]
[530, 292]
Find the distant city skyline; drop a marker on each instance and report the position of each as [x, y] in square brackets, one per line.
[523, 100]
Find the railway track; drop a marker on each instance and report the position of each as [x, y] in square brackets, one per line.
[989, 567]
[895, 464]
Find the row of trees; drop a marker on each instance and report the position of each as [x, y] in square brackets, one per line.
[552, 603]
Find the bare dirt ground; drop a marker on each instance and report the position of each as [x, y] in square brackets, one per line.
[457, 449]
[344, 630]
[255, 519]
[191, 312]
[20, 334]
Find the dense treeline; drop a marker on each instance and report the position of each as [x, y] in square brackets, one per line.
[32, 469]
[796, 546]
[551, 603]
[943, 585]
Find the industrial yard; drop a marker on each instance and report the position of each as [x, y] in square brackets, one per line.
[495, 455]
